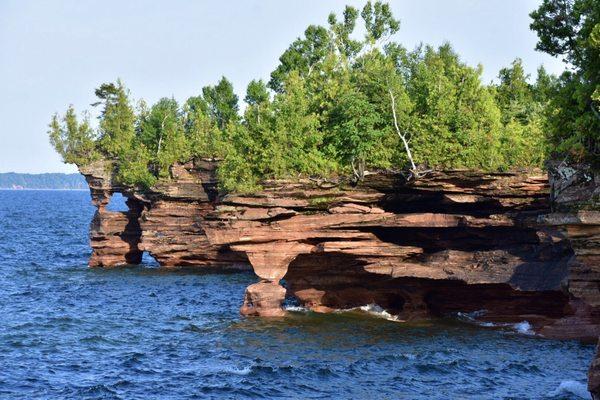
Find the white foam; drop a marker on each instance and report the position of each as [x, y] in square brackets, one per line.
[296, 308]
[374, 310]
[237, 371]
[576, 388]
[378, 311]
[522, 327]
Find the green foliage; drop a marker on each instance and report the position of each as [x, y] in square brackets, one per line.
[455, 119]
[571, 29]
[338, 104]
[379, 21]
[514, 95]
[303, 56]
[133, 168]
[204, 138]
[74, 141]
[117, 120]
[162, 133]
[222, 103]
[354, 133]
[342, 31]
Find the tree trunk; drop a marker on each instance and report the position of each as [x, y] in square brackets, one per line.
[402, 136]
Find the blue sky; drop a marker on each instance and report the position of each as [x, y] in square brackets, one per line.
[54, 53]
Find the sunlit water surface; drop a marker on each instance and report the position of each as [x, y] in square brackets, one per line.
[67, 331]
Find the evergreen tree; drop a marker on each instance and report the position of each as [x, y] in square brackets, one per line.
[203, 136]
[117, 119]
[163, 135]
[222, 103]
[74, 141]
[343, 104]
[571, 29]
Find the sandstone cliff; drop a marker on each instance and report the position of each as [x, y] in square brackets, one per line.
[575, 198]
[454, 241]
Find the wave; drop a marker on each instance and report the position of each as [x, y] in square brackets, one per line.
[238, 371]
[374, 310]
[296, 308]
[371, 309]
[575, 388]
[377, 311]
[523, 327]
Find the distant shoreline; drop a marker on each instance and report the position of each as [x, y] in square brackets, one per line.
[51, 190]
[45, 181]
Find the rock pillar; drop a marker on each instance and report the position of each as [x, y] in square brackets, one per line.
[270, 262]
[115, 235]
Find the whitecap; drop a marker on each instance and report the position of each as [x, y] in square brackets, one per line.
[576, 388]
[378, 311]
[237, 371]
[296, 308]
[374, 310]
[409, 356]
[523, 327]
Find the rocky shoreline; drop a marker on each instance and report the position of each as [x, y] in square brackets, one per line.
[519, 245]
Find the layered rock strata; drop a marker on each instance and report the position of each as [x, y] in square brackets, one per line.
[576, 212]
[453, 241]
[506, 247]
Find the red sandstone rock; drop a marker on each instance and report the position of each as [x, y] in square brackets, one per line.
[451, 241]
[270, 260]
[264, 299]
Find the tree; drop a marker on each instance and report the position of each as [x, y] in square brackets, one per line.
[117, 119]
[296, 130]
[379, 21]
[571, 29]
[303, 56]
[74, 141]
[257, 97]
[341, 33]
[163, 136]
[514, 94]
[345, 104]
[222, 103]
[456, 122]
[203, 136]
[544, 87]
[375, 76]
[133, 168]
[354, 129]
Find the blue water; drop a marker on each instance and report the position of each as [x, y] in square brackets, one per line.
[67, 331]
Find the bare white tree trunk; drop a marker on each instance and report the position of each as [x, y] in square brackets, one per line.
[162, 128]
[357, 175]
[402, 136]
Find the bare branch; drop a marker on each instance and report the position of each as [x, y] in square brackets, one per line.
[402, 136]
[162, 129]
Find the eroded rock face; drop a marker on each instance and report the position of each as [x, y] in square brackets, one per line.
[452, 241]
[114, 236]
[264, 299]
[576, 206]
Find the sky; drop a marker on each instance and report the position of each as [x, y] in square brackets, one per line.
[54, 53]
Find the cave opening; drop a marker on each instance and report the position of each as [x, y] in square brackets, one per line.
[117, 203]
[149, 261]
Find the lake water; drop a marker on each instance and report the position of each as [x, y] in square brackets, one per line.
[67, 331]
